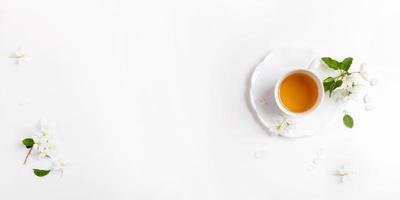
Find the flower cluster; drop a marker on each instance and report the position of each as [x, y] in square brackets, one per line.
[42, 143]
[347, 85]
[352, 86]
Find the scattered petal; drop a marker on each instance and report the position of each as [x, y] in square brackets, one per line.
[320, 153]
[369, 107]
[314, 64]
[363, 72]
[316, 161]
[344, 174]
[373, 82]
[367, 99]
[262, 101]
[259, 154]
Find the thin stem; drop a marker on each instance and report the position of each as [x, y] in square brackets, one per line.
[339, 77]
[27, 155]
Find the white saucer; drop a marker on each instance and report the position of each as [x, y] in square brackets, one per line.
[261, 96]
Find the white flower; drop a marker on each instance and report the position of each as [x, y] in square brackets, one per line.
[58, 165]
[342, 95]
[344, 173]
[18, 56]
[47, 151]
[280, 127]
[349, 90]
[363, 72]
[39, 142]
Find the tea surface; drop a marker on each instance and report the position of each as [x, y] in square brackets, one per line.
[298, 92]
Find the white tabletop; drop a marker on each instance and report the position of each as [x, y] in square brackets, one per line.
[148, 99]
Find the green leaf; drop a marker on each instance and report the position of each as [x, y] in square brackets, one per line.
[338, 83]
[327, 86]
[334, 85]
[331, 90]
[346, 63]
[41, 172]
[332, 63]
[348, 121]
[328, 82]
[329, 79]
[28, 142]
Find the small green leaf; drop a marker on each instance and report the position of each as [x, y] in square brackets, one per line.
[28, 142]
[329, 79]
[332, 63]
[331, 88]
[41, 172]
[346, 63]
[327, 86]
[338, 83]
[334, 85]
[328, 82]
[348, 121]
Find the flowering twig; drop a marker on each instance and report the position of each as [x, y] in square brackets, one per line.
[344, 85]
[42, 143]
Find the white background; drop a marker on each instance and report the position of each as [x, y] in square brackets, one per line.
[148, 99]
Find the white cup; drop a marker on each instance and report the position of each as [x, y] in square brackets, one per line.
[320, 96]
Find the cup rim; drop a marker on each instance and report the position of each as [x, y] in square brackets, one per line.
[317, 103]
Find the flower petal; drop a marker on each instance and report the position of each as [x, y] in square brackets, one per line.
[373, 82]
[363, 72]
[366, 98]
